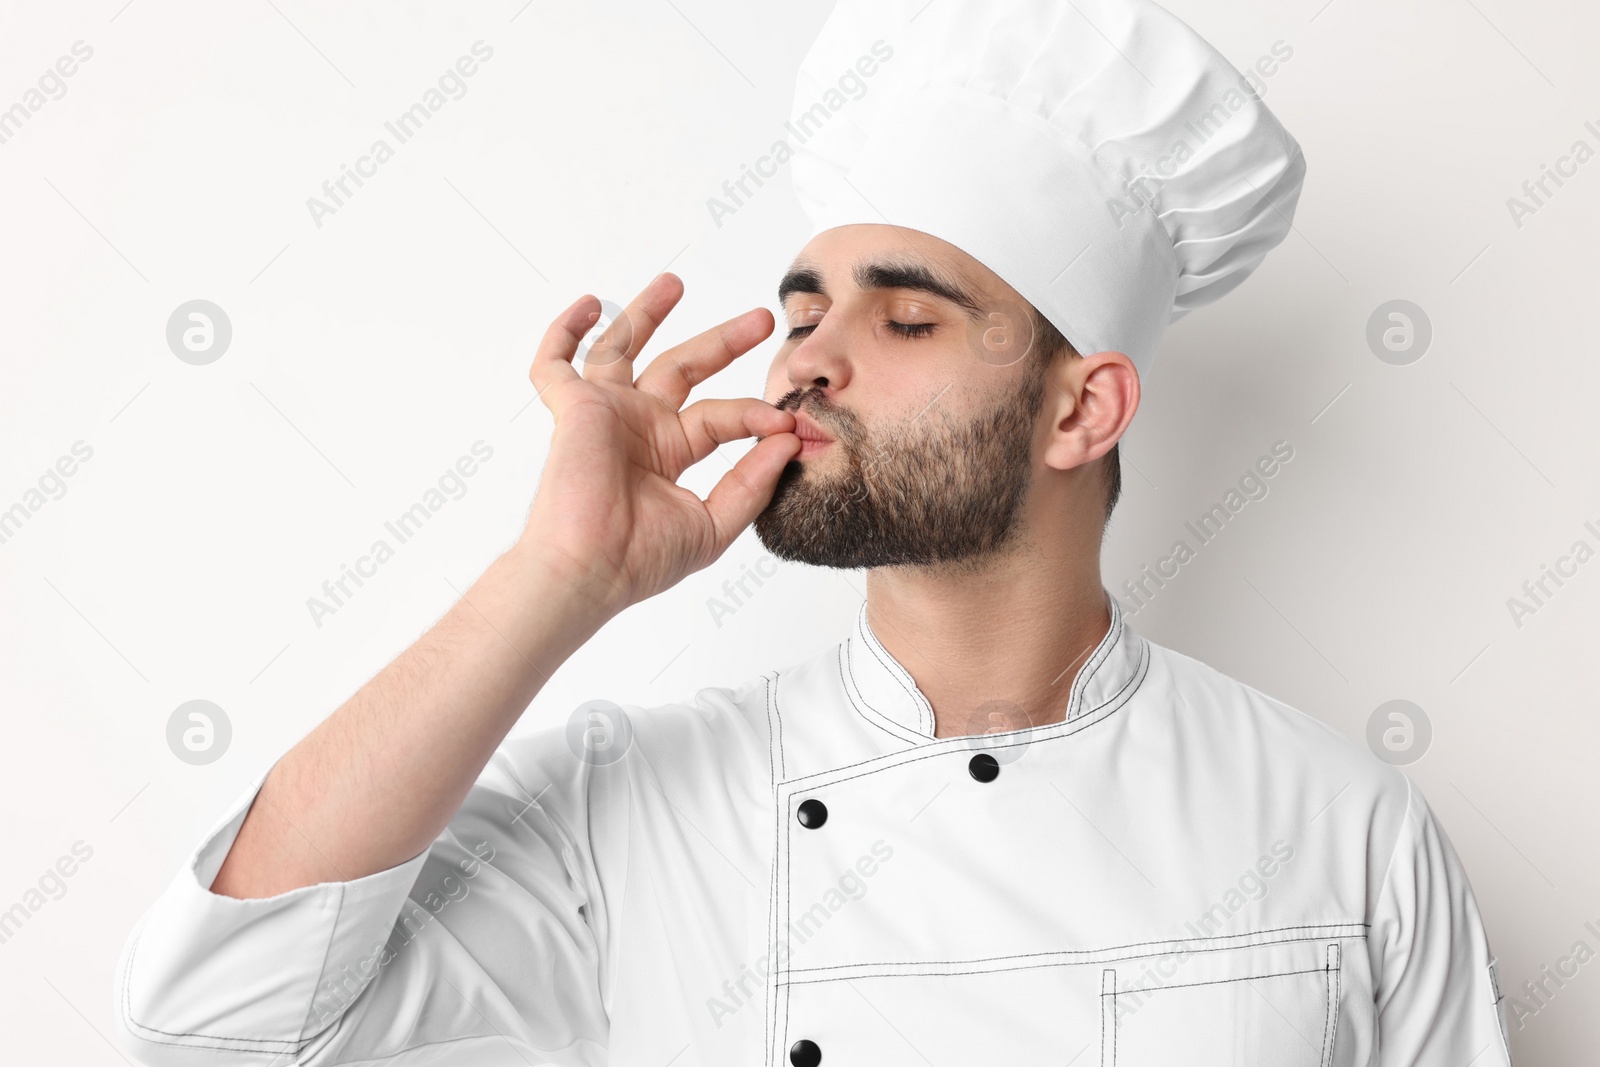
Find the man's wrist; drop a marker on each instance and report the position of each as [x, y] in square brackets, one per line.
[561, 584]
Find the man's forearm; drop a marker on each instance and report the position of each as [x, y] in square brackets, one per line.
[376, 782]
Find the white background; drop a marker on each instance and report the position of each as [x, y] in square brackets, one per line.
[372, 351]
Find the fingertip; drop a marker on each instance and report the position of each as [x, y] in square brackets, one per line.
[763, 425]
[768, 321]
[757, 324]
[581, 314]
[789, 448]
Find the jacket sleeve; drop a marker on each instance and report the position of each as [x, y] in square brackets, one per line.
[1438, 996]
[486, 946]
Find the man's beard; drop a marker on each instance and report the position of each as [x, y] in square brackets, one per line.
[925, 491]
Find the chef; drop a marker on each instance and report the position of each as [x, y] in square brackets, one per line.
[990, 824]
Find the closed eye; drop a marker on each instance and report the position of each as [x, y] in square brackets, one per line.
[904, 329]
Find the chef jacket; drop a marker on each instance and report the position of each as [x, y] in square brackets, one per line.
[796, 870]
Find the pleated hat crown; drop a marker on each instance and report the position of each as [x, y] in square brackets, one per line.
[1098, 155]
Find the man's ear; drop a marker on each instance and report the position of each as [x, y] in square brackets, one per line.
[1092, 404]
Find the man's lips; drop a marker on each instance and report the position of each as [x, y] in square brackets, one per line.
[813, 439]
[807, 429]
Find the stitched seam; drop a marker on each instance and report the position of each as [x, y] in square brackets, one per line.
[1097, 658]
[1134, 680]
[788, 902]
[774, 742]
[386, 1057]
[1499, 1017]
[1333, 1032]
[327, 954]
[1327, 1011]
[1225, 981]
[895, 671]
[1114, 635]
[1159, 948]
[958, 745]
[1333, 1002]
[880, 654]
[784, 833]
[1108, 978]
[863, 707]
[779, 814]
[290, 1047]
[967, 968]
[858, 700]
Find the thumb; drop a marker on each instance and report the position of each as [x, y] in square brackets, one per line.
[739, 495]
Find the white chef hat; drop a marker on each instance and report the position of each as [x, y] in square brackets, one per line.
[1098, 155]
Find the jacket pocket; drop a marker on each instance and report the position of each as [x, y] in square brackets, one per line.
[1260, 1004]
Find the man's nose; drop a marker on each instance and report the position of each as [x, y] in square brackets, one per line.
[819, 361]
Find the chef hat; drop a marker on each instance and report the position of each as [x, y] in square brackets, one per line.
[1098, 155]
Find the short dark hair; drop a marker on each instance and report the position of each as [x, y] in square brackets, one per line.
[1052, 344]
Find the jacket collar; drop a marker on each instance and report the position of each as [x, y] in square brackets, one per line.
[885, 694]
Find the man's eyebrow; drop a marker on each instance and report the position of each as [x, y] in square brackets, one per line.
[800, 279]
[907, 275]
[888, 274]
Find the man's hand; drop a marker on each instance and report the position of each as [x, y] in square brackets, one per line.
[377, 781]
[608, 505]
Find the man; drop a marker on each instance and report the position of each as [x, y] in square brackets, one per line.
[994, 823]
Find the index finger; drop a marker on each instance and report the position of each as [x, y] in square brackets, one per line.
[611, 358]
[671, 375]
[552, 362]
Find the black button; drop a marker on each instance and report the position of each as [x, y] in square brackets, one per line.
[812, 814]
[984, 767]
[805, 1053]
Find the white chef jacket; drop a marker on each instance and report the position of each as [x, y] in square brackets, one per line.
[1182, 870]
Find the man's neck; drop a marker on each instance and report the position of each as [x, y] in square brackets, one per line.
[992, 649]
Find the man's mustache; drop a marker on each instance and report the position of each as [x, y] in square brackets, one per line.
[820, 407]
